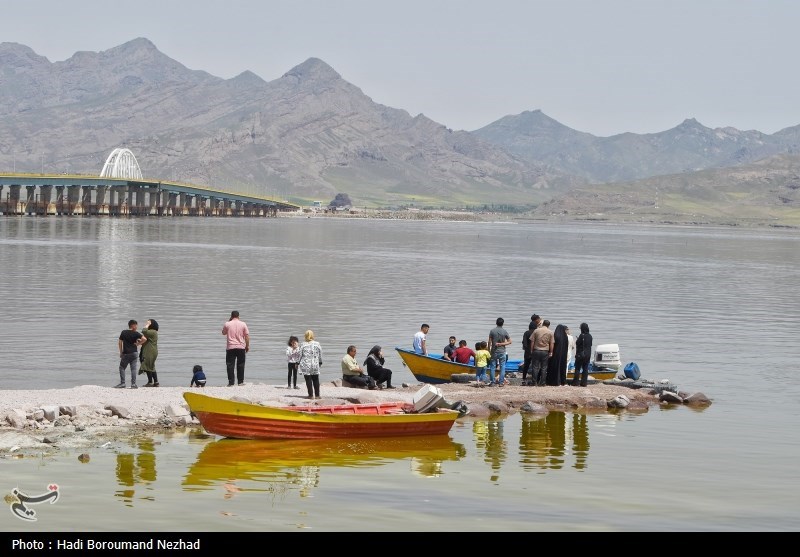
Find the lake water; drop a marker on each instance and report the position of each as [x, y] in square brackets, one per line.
[712, 310]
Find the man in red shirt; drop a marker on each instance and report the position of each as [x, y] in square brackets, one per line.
[463, 353]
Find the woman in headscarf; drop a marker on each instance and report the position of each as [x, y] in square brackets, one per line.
[149, 352]
[557, 364]
[375, 369]
[310, 362]
[583, 353]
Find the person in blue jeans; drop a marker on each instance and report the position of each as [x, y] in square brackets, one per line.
[498, 340]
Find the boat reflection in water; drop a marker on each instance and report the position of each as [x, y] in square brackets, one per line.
[298, 462]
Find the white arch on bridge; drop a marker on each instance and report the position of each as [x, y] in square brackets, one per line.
[121, 164]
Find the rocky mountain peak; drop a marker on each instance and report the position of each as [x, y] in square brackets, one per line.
[313, 69]
[247, 78]
[17, 56]
[137, 45]
[691, 124]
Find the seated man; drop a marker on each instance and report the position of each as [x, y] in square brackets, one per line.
[450, 349]
[352, 372]
[463, 354]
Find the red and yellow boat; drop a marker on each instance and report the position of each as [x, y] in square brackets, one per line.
[241, 420]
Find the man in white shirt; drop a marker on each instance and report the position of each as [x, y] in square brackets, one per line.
[420, 338]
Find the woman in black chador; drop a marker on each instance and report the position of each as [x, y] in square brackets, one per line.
[557, 365]
[583, 353]
[375, 369]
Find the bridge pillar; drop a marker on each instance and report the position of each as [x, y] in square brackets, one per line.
[59, 200]
[128, 200]
[13, 201]
[73, 200]
[214, 203]
[151, 208]
[29, 205]
[100, 200]
[46, 199]
[138, 203]
[85, 204]
[117, 204]
[172, 203]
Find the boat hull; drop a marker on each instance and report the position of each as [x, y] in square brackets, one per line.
[240, 420]
[435, 370]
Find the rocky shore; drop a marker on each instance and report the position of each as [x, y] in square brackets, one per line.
[37, 421]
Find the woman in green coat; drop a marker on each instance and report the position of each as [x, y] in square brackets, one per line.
[149, 352]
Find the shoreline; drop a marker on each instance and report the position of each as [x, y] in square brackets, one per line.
[36, 421]
[530, 217]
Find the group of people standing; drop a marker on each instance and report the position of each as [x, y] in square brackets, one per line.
[306, 358]
[547, 354]
[489, 356]
[138, 351]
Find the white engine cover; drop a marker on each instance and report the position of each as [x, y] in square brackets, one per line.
[607, 356]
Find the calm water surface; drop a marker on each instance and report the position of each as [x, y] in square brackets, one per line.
[712, 310]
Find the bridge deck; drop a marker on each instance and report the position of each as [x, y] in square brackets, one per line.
[93, 195]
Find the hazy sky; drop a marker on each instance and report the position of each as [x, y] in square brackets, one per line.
[599, 66]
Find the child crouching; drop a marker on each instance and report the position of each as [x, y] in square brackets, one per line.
[198, 377]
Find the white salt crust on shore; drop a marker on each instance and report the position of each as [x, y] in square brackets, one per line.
[146, 406]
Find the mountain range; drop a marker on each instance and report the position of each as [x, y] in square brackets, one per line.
[310, 134]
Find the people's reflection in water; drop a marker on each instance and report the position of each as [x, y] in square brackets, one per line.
[133, 469]
[580, 440]
[489, 438]
[534, 442]
[543, 441]
[556, 423]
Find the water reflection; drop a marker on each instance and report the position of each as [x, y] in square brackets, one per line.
[543, 441]
[136, 469]
[298, 464]
[489, 441]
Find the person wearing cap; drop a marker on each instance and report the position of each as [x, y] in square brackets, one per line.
[237, 346]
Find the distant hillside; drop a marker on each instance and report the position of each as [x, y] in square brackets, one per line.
[306, 135]
[766, 192]
[689, 147]
[310, 135]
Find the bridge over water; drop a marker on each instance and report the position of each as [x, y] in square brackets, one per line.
[77, 194]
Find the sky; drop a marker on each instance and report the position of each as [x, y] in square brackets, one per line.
[598, 66]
